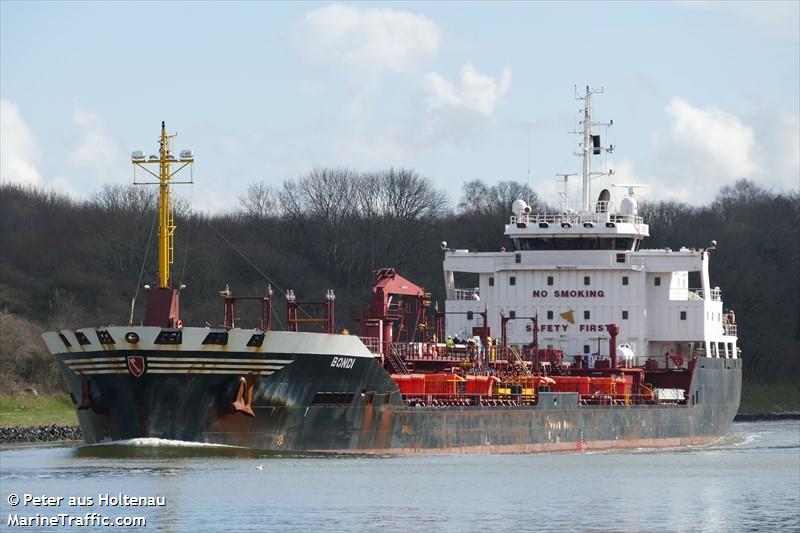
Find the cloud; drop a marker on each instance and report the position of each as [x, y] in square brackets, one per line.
[19, 150]
[453, 112]
[378, 125]
[779, 133]
[366, 39]
[705, 149]
[714, 142]
[96, 150]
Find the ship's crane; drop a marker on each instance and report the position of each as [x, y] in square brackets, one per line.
[394, 301]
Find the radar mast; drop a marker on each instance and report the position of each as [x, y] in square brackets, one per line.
[590, 145]
[163, 310]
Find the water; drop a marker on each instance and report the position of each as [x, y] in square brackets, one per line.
[748, 481]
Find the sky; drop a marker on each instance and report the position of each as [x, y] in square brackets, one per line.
[701, 93]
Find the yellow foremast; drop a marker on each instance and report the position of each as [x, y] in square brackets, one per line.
[166, 220]
[166, 214]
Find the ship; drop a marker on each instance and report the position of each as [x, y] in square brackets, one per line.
[573, 338]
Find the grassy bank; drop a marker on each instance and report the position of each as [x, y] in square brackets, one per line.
[27, 410]
[764, 399]
[57, 409]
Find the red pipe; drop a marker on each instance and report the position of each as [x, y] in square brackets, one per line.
[613, 330]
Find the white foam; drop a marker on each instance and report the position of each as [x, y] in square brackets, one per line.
[152, 442]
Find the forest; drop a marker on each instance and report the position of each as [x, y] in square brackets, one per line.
[68, 263]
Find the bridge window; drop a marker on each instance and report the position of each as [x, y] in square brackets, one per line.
[623, 244]
[683, 315]
[624, 315]
[549, 315]
[620, 258]
[624, 280]
[587, 280]
[491, 281]
[658, 281]
[587, 315]
[512, 280]
[518, 258]
[573, 243]
[512, 314]
[586, 348]
[469, 315]
[550, 280]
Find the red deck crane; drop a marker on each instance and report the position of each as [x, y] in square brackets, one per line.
[394, 300]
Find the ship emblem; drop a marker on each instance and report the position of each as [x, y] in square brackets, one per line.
[137, 365]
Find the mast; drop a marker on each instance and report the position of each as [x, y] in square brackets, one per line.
[590, 146]
[587, 160]
[166, 221]
[163, 304]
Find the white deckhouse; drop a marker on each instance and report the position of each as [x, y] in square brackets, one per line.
[578, 271]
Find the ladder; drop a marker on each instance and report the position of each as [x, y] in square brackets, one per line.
[519, 365]
[395, 361]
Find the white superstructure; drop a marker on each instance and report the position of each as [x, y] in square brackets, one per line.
[579, 271]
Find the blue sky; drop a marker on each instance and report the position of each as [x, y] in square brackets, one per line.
[701, 93]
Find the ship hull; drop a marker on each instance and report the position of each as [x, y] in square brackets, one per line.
[343, 401]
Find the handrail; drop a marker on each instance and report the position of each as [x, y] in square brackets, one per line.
[433, 399]
[600, 217]
[373, 344]
[462, 294]
[396, 360]
[519, 364]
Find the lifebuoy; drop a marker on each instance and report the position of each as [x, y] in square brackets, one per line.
[179, 324]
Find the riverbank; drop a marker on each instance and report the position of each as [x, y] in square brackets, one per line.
[29, 410]
[767, 400]
[52, 433]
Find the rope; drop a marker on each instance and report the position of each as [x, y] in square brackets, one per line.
[144, 262]
[188, 234]
[249, 262]
[255, 267]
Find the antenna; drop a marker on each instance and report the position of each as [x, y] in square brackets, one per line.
[631, 187]
[590, 142]
[564, 194]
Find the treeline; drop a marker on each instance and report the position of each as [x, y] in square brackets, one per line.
[66, 263]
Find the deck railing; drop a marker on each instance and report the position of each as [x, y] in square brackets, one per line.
[373, 344]
[695, 294]
[462, 294]
[512, 400]
[601, 216]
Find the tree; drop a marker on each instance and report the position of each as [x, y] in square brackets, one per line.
[259, 201]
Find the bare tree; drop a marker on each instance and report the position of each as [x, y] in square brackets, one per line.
[259, 201]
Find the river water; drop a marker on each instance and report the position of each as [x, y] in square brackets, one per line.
[747, 481]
